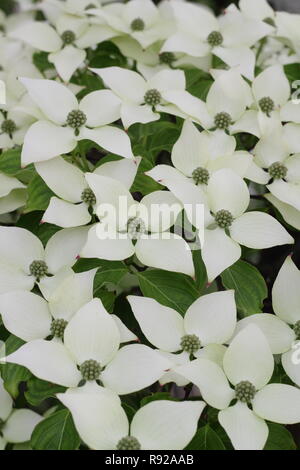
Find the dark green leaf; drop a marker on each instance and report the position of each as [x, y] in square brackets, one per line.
[174, 290]
[279, 438]
[39, 195]
[157, 396]
[57, 432]
[249, 285]
[206, 439]
[13, 374]
[39, 390]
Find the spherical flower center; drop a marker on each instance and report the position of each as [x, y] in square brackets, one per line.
[88, 197]
[267, 105]
[224, 218]
[167, 58]
[297, 329]
[152, 97]
[38, 269]
[128, 443]
[8, 126]
[190, 343]
[90, 369]
[277, 171]
[137, 24]
[222, 120]
[136, 228]
[76, 119]
[58, 327]
[215, 38]
[200, 175]
[245, 391]
[68, 37]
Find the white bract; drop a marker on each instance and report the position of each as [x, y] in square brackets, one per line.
[140, 19]
[142, 100]
[13, 193]
[230, 37]
[16, 424]
[248, 365]
[207, 324]
[67, 122]
[91, 342]
[78, 201]
[24, 260]
[282, 329]
[136, 228]
[102, 423]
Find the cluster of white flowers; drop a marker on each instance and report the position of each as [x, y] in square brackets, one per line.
[151, 335]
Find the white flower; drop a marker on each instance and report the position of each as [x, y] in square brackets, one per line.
[208, 323]
[67, 122]
[226, 102]
[142, 100]
[257, 9]
[29, 316]
[282, 329]
[271, 92]
[17, 425]
[273, 152]
[230, 37]
[140, 19]
[13, 193]
[66, 43]
[77, 199]
[204, 153]
[102, 423]
[248, 365]
[137, 222]
[24, 260]
[13, 127]
[91, 341]
[289, 213]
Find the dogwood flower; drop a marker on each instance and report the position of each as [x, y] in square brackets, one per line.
[13, 193]
[230, 37]
[248, 365]
[140, 19]
[29, 316]
[13, 127]
[77, 199]
[24, 261]
[271, 93]
[205, 152]
[142, 100]
[91, 342]
[226, 102]
[16, 425]
[282, 329]
[136, 228]
[289, 213]
[102, 423]
[208, 323]
[66, 43]
[67, 122]
[273, 153]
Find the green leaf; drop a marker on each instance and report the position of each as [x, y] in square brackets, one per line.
[249, 285]
[109, 272]
[13, 374]
[10, 161]
[174, 290]
[40, 60]
[39, 195]
[143, 183]
[198, 83]
[39, 390]
[57, 432]
[292, 72]
[279, 438]
[107, 298]
[200, 270]
[206, 439]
